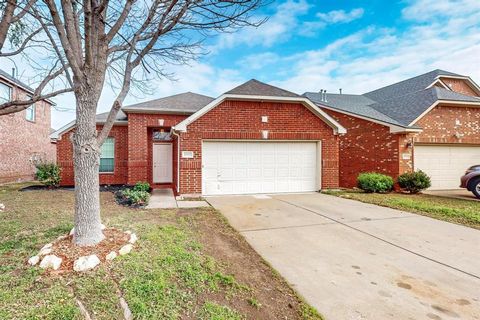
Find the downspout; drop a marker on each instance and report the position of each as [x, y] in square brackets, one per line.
[178, 158]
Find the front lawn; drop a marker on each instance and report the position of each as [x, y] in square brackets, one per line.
[187, 264]
[464, 212]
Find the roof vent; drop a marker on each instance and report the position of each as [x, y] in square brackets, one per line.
[340, 90]
[325, 94]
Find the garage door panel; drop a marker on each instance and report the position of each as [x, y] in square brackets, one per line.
[258, 167]
[445, 164]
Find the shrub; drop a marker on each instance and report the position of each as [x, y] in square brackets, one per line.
[374, 182]
[132, 197]
[142, 186]
[48, 174]
[414, 182]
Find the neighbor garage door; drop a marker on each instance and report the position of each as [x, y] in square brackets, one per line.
[258, 167]
[445, 164]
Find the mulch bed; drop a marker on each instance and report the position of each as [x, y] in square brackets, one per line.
[65, 249]
[103, 188]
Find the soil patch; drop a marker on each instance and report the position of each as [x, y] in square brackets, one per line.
[275, 297]
[65, 249]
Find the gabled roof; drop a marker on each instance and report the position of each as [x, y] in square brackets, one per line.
[256, 88]
[100, 118]
[400, 104]
[20, 84]
[187, 102]
[355, 104]
[407, 86]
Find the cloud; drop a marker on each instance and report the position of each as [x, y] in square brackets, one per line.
[426, 10]
[278, 28]
[375, 56]
[340, 16]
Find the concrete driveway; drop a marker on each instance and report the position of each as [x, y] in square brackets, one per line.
[359, 261]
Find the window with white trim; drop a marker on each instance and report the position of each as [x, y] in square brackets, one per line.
[30, 113]
[107, 155]
[5, 93]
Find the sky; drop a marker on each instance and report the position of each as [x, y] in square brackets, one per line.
[308, 45]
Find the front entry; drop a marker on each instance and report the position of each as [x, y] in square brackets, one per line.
[162, 163]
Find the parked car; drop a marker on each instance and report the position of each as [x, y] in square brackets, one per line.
[471, 180]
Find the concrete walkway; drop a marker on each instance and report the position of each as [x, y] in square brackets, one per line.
[353, 260]
[165, 199]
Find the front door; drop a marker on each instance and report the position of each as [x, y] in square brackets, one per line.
[162, 163]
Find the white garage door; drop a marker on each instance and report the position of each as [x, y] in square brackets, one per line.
[445, 164]
[258, 167]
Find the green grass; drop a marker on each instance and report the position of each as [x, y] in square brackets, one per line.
[464, 212]
[167, 276]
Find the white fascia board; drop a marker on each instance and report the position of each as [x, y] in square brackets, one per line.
[450, 102]
[160, 111]
[58, 134]
[438, 81]
[470, 81]
[338, 129]
[15, 84]
[393, 128]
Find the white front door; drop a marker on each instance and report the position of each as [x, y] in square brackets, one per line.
[445, 164]
[162, 163]
[259, 167]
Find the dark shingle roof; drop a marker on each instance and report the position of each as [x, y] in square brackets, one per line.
[356, 104]
[187, 102]
[102, 117]
[256, 88]
[15, 81]
[407, 86]
[399, 104]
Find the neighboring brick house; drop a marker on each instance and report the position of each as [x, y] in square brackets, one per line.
[248, 140]
[430, 122]
[24, 135]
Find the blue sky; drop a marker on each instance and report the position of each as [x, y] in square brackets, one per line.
[308, 45]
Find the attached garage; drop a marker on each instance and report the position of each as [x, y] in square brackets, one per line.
[445, 164]
[248, 167]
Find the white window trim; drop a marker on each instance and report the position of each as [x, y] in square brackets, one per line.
[113, 171]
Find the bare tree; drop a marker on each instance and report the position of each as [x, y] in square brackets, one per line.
[92, 41]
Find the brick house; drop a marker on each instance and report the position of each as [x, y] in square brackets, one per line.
[25, 135]
[248, 140]
[257, 138]
[430, 122]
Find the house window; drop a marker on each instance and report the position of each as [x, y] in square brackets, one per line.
[30, 113]
[107, 155]
[160, 135]
[5, 93]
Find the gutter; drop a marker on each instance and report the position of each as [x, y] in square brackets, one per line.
[172, 130]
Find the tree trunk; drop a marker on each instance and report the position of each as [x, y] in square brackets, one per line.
[86, 157]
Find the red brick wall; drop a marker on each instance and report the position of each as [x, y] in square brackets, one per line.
[367, 146]
[450, 124]
[242, 120]
[65, 158]
[140, 144]
[22, 140]
[460, 86]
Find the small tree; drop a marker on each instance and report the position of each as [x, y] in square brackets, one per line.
[48, 174]
[414, 182]
[128, 40]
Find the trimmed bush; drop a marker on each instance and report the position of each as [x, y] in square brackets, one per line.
[48, 174]
[142, 186]
[131, 197]
[414, 182]
[374, 182]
